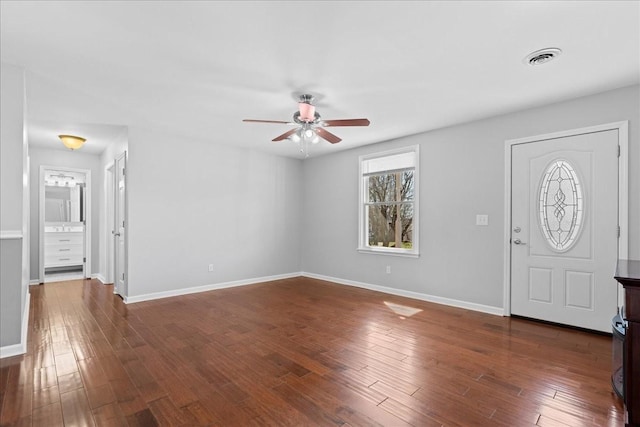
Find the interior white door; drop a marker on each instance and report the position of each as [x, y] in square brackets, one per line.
[120, 259]
[110, 220]
[564, 236]
[83, 190]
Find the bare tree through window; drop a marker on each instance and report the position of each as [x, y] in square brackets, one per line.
[390, 209]
[389, 202]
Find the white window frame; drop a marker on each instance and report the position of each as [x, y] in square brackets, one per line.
[363, 225]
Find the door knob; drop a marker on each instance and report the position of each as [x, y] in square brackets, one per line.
[519, 242]
[517, 230]
[116, 234]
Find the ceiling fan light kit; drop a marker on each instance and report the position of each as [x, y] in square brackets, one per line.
[310, 125]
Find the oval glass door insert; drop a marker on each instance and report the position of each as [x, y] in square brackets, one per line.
[561, 205]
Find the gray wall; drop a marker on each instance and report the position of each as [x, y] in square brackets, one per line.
[461, 175]
[194, 203]
[71, 159]
[10, 277]
[13, 201]
[11, 149]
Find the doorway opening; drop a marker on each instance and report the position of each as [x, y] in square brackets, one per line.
[64, 223]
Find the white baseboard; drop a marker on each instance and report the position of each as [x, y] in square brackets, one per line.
[498, 311]
[99, 277]
[212, 287]
[21, 347]
[34, 282]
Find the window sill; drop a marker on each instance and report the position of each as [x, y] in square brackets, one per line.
[377, 251]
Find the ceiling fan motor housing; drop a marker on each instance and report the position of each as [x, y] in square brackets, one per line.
[307, 112]
[313, 119]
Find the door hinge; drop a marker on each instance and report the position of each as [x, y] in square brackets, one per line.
[618, 231]
[84, 259]
[123, 172]
[619, 151]
[122, 276]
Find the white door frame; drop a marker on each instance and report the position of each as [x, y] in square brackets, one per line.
[623, 193]
[87, 215]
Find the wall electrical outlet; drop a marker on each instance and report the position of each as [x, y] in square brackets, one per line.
[388, 269]
[482, 219]
[210, 267]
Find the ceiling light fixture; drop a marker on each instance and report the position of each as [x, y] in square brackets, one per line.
[60, 180]
[72, 142]
[304, 136]
[542, 56]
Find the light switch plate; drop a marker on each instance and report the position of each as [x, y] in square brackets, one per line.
[482, 219]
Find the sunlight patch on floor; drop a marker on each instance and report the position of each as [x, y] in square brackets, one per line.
[402, 310]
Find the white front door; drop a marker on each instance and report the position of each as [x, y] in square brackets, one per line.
[119, 226]
[564, 234]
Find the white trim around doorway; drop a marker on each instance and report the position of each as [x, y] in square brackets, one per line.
[88, 218]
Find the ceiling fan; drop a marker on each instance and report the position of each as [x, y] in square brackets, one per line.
[310, 124]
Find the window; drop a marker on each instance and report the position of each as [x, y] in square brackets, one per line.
[389, 202]
[560, 205]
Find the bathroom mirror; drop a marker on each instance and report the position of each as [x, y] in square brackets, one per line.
[64, 204]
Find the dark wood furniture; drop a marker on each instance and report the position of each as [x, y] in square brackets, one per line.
[628, 274]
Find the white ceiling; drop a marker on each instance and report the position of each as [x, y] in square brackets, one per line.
[198, 68]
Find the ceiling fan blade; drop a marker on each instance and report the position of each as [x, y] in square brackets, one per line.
[346, 122]
[285, 135]
[323, 133]
[267, 121]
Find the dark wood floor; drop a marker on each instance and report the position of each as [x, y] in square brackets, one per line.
[296, 352]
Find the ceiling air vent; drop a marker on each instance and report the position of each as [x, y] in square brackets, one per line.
[542, 56]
